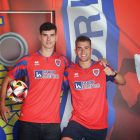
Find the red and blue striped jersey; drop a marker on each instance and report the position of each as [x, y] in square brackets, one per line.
[44, 79]
[88, 88]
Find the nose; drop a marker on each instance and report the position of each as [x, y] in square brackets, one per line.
[48, 37]
[83, 50]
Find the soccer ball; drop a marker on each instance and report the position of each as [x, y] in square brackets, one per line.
[17, 90]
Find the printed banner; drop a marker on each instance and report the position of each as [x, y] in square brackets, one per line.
[112, 26]
[96, 20]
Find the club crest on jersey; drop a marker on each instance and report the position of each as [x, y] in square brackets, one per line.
[57, 62]
[96, 72]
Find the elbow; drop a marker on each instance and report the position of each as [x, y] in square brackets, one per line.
[123, 82]
[120, 79]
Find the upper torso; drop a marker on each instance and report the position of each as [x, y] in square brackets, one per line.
[44, 79]
[88, 88]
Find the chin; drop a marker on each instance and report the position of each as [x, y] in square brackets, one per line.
[83, 60]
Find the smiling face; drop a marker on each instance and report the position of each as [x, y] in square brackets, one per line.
[83, 51]
[48, 39]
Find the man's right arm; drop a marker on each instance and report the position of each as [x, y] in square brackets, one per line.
[3, 108]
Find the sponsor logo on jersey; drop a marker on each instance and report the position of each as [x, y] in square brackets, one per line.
[38, 74]
[78, 85]
[57, 62]
[36, 63]
[96, 72]
[76, 74]
[46, 74]
[81, 85]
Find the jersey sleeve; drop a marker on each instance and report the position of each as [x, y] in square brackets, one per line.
[65, 80]
[20, 68]
[67, 61]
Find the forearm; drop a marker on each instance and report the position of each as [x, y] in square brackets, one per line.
[5, 82]
[120, 79]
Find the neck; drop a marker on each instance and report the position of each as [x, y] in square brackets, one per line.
[86, 64]
[46, 52]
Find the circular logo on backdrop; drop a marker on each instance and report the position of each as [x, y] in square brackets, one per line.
[12, 47]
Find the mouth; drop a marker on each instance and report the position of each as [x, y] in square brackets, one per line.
[48, 43]
[83, 55]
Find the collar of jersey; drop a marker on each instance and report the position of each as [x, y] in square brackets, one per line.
[41, 54]
[89, 67]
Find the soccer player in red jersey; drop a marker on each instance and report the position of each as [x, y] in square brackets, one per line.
[39, 118]
[87, 81]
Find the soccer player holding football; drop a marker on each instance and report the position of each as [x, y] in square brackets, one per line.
[87, 81]
[39, 117]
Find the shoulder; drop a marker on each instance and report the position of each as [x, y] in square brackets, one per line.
[26, 57]
[24, 60]
[66, 60]
[63, 57]
[71, 67]
[97, 64]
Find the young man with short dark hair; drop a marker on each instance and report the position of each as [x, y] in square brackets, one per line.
[87, 81]
[39, 118]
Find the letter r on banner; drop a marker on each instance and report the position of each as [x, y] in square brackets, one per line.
[87, 21]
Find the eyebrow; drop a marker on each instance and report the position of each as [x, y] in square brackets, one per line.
[47, 34]
[79, 47]
[84, 47]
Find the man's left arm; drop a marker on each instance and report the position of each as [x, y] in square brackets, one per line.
[118, 77]
[67, 61]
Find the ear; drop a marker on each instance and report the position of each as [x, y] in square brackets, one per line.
[91, 50]
[39, 37]
[56, 37]
[75, 51]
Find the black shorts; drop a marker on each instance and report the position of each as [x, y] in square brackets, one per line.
[76, 131]
[38, 131]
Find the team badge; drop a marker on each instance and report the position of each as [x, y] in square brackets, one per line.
[96, 72]
[57, 62]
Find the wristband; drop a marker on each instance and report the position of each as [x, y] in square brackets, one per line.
[114, 74]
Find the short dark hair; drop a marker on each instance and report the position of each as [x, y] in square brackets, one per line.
[82, 38]
[47, 26]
